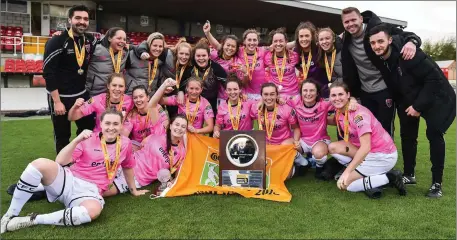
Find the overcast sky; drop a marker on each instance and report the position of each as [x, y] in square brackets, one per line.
[428, 19]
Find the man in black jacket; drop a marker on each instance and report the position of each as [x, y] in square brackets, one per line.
[421, 88]
[66, 58]
[363, 71]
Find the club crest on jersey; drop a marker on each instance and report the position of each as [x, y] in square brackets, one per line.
[358, 119]
[389, 103]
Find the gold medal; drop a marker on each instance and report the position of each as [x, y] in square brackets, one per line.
[116, 64]
[179, 74]
[111, 167]
[191, 116]
[171, 156]
[345, 122]
[235, 119]
[305, 67]
[254, 62]
[329, 68]
[154, 71]
[269, 124]
[204, 75]
[280, 72]
[80, 54]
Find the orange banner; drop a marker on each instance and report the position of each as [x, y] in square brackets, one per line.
[199, 172]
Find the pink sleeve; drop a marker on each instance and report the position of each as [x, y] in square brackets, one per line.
[219, 119]
[129, 161]
[128, 125]
[213, 54]
[170, 101]
[208, 112]
[78, 152]
[162, 115]
[294, 57]
[89, 106]
[254, 111]
[363, 123]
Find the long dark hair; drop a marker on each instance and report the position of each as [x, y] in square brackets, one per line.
[110, 79]
[223, 40]
[318, 88]
[269, 84]
[232, 77]
[310, 26]
[135, 109]
[183, 116]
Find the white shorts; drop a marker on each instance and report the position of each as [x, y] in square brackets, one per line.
[121, 183]
[72, 191]
[307, 148]
[377, 163]
[255, 97]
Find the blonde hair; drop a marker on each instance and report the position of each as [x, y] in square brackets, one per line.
[182, 43]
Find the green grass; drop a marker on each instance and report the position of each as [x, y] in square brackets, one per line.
[317, 210]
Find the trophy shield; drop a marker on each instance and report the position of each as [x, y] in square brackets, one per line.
[242, 159]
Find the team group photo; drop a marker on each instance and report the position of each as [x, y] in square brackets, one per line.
[218, 119]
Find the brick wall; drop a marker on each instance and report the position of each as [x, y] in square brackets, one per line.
[16, 19]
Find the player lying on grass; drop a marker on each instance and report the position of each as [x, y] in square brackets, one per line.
[96, 158]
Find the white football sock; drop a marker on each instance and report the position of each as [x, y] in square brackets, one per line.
[300, 160]
[68, 217]
[320, 162]
[367, 183]
[26, 186]
[343, 160]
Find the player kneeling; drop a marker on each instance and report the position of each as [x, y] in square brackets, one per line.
[80, 186]
[368, 151]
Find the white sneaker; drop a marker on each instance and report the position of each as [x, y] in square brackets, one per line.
[17, 223]
[5, 220]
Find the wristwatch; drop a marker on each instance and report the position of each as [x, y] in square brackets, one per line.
[414, 41]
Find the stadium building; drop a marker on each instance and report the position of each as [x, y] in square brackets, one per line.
[27, 25]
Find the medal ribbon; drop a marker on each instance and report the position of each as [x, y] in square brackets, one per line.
[329, 68]
[254, 62]
[235, 119]
[191, 116]
[154, 71]
[80, 54]
[346, 123]
[145, 123]
[116, 64]
[111, 167]
[305, 67]
[204, 75]
[280, 72]
[179, 76]
[119, 105]
[269, 125]
[171, 156]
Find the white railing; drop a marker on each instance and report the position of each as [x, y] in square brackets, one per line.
[37, 43]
